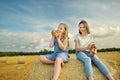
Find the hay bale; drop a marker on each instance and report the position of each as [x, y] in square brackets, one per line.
[73, 70]
[3, 59]
[21, 60]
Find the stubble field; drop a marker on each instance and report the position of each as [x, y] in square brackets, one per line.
[73, 70]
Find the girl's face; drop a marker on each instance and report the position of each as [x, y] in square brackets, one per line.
[61, 29]
[82, 28]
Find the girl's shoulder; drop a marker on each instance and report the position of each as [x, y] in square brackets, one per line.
[77, 37]
[66, 39]
[90, 35]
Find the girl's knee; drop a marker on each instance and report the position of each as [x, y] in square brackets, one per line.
[58, 60]
[87, 60]
[42, 58]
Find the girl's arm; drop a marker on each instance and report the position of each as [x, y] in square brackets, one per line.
[63, 45]
[52, 42]
[77, 47]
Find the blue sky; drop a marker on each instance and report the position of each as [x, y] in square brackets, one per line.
[25, 25]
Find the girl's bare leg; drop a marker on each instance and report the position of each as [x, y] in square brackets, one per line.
[43, 59]
[62, 64]
[57, 68]
[109, 76]
[90, 78]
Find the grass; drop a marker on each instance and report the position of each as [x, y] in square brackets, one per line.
[73, 70]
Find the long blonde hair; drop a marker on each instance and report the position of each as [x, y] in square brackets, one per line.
[65, 33]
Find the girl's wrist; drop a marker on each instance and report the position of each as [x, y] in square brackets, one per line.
[58, 38]
[53, 37]
[87, 48]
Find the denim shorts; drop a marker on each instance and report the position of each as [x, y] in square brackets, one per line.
[63, 55]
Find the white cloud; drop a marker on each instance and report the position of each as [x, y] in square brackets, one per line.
[103, 32]
[21, 41]
[22, 47]
[13, 45]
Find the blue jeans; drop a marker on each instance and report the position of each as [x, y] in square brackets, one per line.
[87, 58]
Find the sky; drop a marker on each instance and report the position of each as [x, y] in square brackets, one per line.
[25, 25]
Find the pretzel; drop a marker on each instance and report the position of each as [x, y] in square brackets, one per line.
[93, 49]
[55, 33]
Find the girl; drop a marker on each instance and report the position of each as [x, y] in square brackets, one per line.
[83, 42]
[60, 55]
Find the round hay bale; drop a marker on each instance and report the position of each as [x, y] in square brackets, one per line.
[73, 70]
[3, 59]
[21, 60]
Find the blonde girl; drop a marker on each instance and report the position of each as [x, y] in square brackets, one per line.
[60, 54]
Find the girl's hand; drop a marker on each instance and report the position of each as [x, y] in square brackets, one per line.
[59, 35]
[89, 46]
[52, 42]
[52, 33]
[93, 49]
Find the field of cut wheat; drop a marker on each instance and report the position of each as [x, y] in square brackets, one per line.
[32, 69]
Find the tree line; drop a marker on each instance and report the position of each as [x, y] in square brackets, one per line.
[45, 51]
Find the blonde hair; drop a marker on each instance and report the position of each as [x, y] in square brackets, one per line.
[65, 33]
[85, 25]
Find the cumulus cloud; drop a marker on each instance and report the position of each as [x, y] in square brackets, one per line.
[22, 47]
[102, 32]
[21, 41]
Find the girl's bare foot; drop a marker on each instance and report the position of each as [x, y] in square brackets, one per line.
[62, 64]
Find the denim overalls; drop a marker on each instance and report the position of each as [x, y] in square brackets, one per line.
[58, 53]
